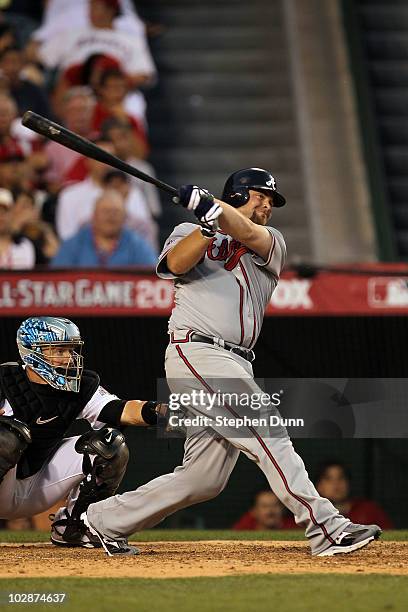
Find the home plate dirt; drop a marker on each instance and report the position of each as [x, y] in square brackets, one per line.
[187, 559]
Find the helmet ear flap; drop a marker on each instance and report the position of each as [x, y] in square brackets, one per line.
[239, 197]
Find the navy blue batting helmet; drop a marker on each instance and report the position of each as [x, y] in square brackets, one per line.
[236, 189]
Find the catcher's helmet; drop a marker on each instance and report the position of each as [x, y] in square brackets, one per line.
[37, 333]
[236, 189]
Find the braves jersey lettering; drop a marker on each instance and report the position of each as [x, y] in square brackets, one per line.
[226, 293]
[228, 251]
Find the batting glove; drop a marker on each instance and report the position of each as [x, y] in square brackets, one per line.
[202, 203]
[207, 233]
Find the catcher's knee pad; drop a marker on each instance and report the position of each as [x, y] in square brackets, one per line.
[14, 439]
[112, 455]
[105, 473]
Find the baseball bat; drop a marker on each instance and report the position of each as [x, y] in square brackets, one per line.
[73, 141]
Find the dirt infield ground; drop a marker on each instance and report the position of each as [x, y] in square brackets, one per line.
[198, 558]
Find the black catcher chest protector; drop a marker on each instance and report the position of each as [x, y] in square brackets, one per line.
[46, 411]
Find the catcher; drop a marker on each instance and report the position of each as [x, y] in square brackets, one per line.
[40, 399]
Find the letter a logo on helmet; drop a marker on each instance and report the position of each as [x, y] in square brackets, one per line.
[271, 183]
[236, 189]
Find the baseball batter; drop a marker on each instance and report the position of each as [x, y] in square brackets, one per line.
[40, 398]
[224, 277]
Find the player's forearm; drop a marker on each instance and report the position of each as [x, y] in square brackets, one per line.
[236, 225]
[254, 236]
[141, 413]
[187, 253]
[132, 414]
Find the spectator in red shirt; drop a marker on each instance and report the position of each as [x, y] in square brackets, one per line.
[9, 144]
[89, 73]
[119, 133]
[333, 482]
[16, 171]
[266, 513]
[62, 165]
[111, 91]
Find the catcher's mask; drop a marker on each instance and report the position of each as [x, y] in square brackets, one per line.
[51, 347]
[236, 189]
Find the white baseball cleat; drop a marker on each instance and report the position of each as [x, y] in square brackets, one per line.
[351, 539]
[113, 547]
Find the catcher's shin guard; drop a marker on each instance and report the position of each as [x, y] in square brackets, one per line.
[109, 465]
[14, 439]
[102, 476]
[105, 473]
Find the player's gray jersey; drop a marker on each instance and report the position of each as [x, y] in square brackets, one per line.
[225, 294]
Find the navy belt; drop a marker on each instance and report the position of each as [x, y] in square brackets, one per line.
[247, 354]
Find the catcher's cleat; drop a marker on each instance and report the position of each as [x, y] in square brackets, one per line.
[71, 533]
[112, 547]
[351, 539]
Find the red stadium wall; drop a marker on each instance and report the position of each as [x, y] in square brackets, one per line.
[377, 290]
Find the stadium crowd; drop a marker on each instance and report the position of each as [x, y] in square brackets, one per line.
[57, 208]
[333, 480]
